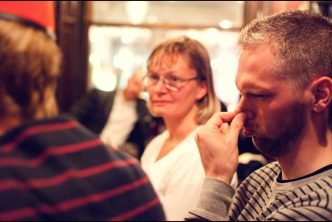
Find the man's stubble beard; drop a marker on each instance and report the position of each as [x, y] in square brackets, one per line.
[286, 137]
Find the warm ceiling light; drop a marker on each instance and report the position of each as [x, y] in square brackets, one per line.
[137, 11]
[225, 24]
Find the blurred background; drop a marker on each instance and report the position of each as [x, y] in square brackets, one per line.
[105, 42]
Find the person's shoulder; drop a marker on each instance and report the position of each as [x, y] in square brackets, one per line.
[188, 146]
[324, 176]
[267, 172]
[272, 168]
[160, 138]
[124, 158]
[125, 165]
[154, 145]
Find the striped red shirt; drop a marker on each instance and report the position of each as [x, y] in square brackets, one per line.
[54, 169]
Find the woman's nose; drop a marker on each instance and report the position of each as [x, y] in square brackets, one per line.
[160, 86]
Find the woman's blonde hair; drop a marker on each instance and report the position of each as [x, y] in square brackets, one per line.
[199, 60]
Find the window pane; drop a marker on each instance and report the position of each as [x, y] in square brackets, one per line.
[191, 13]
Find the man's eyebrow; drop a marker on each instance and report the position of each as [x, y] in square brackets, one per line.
[253, 88]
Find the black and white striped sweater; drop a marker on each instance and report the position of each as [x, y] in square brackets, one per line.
[264, 196]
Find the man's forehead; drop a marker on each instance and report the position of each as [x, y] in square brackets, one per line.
[246, 82]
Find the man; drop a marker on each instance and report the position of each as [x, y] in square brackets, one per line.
[51, 168]
[284, 77]
[120, 117]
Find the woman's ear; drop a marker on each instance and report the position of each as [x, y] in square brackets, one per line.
[203, 90]
[322, 91]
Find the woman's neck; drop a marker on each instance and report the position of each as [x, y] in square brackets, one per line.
[180, 127]
[178, 131]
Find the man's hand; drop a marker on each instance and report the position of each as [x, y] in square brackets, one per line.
[217, 142]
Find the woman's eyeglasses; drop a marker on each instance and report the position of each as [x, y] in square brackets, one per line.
[170, 82]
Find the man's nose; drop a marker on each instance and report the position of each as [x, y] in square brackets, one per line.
[245, 106]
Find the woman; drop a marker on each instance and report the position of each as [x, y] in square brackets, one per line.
[180, 87]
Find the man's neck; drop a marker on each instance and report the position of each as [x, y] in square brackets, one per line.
[309, 156]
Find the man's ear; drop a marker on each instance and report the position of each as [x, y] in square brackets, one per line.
[322, 91]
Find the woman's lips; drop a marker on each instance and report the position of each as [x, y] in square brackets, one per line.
[160, 102]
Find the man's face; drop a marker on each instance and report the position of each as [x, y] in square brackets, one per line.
[276, 113]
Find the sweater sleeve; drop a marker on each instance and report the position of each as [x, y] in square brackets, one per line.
[215, 200]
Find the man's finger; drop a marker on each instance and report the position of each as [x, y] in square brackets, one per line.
[220, 117]
[237, 124]
[224, 127]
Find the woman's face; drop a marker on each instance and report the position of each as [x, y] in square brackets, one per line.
[165, 99]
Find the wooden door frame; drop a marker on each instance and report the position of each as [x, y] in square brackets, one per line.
[72, 37]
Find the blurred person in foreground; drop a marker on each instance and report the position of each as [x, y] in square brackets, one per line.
[284, 77]
[180, 87]
[51, 168]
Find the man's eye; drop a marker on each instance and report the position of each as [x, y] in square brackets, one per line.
[259, 96]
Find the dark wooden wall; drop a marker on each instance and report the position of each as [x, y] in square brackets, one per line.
[72, 37]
